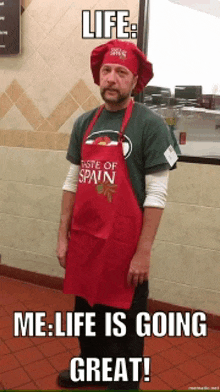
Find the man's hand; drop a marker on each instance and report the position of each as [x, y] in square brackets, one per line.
[62, 246]
[139, 268]
[140, 264]
[65, 224]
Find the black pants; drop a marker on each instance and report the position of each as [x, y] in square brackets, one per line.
[127, 346]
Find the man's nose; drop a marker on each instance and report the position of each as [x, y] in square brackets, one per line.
[111, 77]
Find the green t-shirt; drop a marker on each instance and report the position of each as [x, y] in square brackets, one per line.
[148, 145]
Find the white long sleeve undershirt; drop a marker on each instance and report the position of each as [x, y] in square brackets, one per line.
[156, 185]
[71, 181]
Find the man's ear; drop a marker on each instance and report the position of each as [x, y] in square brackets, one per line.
[135, 81]
[134, 85]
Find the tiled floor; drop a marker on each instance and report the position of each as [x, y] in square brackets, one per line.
[34, 362]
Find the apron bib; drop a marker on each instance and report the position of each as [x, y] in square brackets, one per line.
[106, 225]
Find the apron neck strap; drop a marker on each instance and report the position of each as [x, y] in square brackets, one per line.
[126, 118]
[92, 123]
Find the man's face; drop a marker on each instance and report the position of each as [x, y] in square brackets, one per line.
[116, 83]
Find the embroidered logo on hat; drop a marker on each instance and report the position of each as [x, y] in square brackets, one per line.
[122, 54]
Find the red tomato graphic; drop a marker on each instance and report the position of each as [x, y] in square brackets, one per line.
[103, 140]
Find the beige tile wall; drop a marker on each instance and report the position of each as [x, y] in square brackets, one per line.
[30, 193]
[42, 91]
[45, 87]
[185, 266]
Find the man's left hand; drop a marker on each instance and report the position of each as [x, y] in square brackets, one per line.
[139, 268]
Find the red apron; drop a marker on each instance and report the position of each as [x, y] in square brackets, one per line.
[106, 225]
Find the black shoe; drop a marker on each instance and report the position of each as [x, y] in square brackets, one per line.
[65, 381]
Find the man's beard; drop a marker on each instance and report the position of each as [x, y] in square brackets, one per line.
[114, 100]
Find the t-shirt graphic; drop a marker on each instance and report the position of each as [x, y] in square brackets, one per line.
[109, 138]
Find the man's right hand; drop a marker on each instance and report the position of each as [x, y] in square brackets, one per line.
[62, 246]
[68, 199]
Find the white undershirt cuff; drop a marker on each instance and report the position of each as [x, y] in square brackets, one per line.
[156, 185]
[71, 181]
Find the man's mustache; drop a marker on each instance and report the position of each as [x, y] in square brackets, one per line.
[109, 89]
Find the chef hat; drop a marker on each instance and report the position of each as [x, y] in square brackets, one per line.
[126, 54]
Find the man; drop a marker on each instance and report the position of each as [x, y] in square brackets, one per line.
[113, 200]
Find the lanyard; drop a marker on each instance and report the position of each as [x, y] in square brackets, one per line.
[125, 120]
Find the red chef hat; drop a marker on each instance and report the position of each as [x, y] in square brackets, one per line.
[126, 54]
